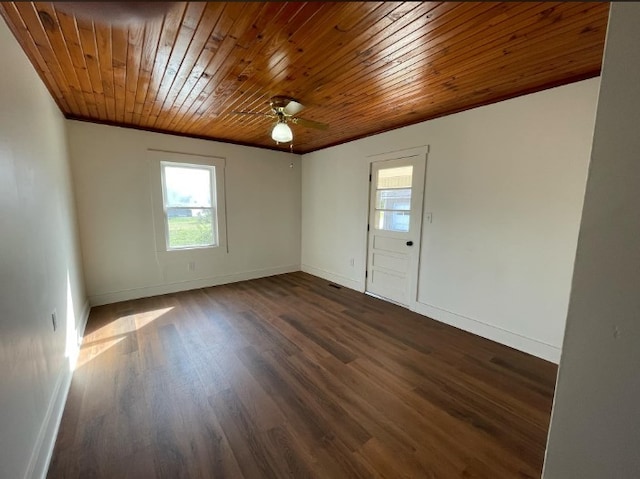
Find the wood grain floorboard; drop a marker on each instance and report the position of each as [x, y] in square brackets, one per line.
[291, 377]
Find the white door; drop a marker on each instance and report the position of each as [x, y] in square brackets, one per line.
[395, 222]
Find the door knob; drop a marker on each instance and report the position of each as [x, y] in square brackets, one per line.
[409, 243]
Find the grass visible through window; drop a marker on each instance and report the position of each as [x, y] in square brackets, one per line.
[190, 231]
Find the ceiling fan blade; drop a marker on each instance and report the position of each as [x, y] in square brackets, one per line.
[254, 113]
[286, 105]
[309, 123]
[293, 108]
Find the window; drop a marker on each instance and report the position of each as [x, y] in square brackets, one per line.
[393, 199]
[188, 203]
[189, 199]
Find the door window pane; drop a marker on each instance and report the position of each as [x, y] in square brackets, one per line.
[393, 199]
[399, 177]
[399, 199]
[392, 220]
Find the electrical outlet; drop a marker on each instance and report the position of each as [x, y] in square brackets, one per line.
[54, 320]
[352, 262]
[191, 266]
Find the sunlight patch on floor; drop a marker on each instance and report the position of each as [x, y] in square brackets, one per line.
[96, 343]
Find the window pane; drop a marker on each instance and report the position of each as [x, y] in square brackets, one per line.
[187, 186]
[190, 227]
[399, 177]
[392, 220]
[393, 199]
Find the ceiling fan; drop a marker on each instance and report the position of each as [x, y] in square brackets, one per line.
[284, 111]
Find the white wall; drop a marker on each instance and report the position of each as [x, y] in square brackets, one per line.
[595, 425]
[112, 179]
[505, 184]
[39, 267]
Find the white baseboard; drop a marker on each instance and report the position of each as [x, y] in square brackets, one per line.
[46, 440]
[334, 278]
[488, 331]
[125, 295]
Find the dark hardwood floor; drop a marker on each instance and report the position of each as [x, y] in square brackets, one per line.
[289, 376]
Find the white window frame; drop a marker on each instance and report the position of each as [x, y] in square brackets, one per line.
[212, 200]
[160, 159]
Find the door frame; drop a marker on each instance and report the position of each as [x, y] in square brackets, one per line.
[415, 269]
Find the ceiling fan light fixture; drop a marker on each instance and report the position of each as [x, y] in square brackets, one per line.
[281, 133]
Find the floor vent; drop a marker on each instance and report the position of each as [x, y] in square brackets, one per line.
[335, 286]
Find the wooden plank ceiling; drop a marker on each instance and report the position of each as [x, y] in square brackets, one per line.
[361, 67]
